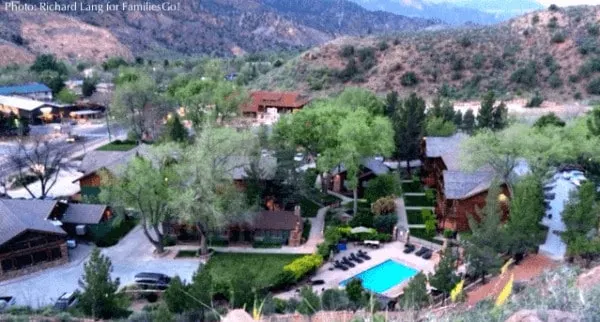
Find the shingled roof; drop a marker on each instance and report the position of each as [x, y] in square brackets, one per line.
[112, 161]
[267, 166]
[376, 166]
[447, 148]
[83, 214]
[462, 185]
[274, 99]
[18, 216]
[276, 220]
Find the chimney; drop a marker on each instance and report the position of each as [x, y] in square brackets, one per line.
[297, 211]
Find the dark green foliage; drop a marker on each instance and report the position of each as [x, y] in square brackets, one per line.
[490, 116]
[458, 119]
[48, 62]
[555, 81]
[581, 220]
[593, 86]
[175, 297]
[468, 124]
[349, 71]
[383, 45]
[99, 297]
[482, 247]
[88, 87]
[385, 223]
[383, 186]
[347, 51]
[465, 41]
[591, 66]
[478, 61]
[536, 100]
[366, 56]
[362, 218]
[444, 279]
[306, 229]
[318, 79]
[409, 79]
[54, 80]
[310, 303]
[174, 130]
[549, 119]
[526, 75]
[415, 295]
[587, 45]
[498, 63]
[553, 23]
[409, 127]
[109, 233]
[391, 103]
[553, 7]
[523, 232]
[441, 108]
[593, 29]
[114, 63]
[12, 125]
[558, 37]
[355, 291]
[535, 19]
[593, 122]
[334, 300]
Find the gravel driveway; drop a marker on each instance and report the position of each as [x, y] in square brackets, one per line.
[131, 256]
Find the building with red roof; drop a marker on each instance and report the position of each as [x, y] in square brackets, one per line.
[283, 102]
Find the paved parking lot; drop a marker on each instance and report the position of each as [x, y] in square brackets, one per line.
[131, 256]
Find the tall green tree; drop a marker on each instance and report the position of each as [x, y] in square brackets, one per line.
[88, 87]
[146, 185]
[522, 230]
[581, 217]
[442, 108]
[99, 298]
[436, 126]
[409, 128]
[175, 295]
[491, 116]
[174, 130]
[415, 295]
[355, 98]
[310, 303]
[483, 246]
[139, 103]
[458, 119]
[593, 121]
[200, 292]
[356, 292]
[468, 123]
[209, 199]
[391, 103]
[445, 278]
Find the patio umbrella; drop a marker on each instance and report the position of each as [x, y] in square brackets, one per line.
[360, 229]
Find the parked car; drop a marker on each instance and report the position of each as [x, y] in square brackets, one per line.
[66, 300]
[6, 301]
[152, 280]
[299, 157]
[73, 138]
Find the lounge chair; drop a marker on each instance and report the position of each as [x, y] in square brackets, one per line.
[354, 258]
[427, 254]
[317, 282]
[549, 196]
[347, 262]
[363, 254]
[421, 251]
[409, 248]
[340, 266]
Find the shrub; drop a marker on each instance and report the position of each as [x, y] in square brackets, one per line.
[324, 249]
[427, 215]
[591, 66]
[409, 79]
[349, 71]
[526, 75]
[535, 19]
[304, 265]
[593, 29]
[573, 78]
[448, 233]
[553, 23]
[385, 223]
[478, 61]
[362, 218]
[430, 195]
[383, 45]
[555, 81]
[384, 206]
[553, 7]
[347, 51]
[558, 38]
[383, 186]
[465, 41]
[306, 229]
[535, 101]
[593, 86]
[577, 96]
[266, 244]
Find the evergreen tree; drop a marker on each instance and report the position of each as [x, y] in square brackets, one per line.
[99, 298]
[355, 292]
[499, 117]
[391, 103]
[310, 302]
[482, 248]
[88, 87]
[415, 295]
[468, 123]
[175, 297]
[581, 218]
[444, 279]
[593, 121]
[523, 232]
[442, 108]
[409, 127]
[200, 291]
[484, 117]
[174, 130]
[458, 119]
[550, 119]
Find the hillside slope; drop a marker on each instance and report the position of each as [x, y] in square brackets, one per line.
[554, 52]
[219, 27]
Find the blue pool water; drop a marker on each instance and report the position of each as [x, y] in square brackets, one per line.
[384, 276]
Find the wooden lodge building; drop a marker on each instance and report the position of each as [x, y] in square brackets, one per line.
[459, 193]
[283, 102]
[33, 233]
[370, 168]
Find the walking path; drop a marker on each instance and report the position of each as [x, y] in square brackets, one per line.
[345, 199]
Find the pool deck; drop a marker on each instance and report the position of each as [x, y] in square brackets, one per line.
[393, 251]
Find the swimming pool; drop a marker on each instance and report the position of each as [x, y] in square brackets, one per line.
[384, 276]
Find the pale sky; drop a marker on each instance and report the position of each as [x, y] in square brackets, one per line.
[565, 3]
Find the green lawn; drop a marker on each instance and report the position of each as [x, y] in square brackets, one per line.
[414, 186]
[118, 146]
[415, 217]
[417, 201]
[263, 268]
